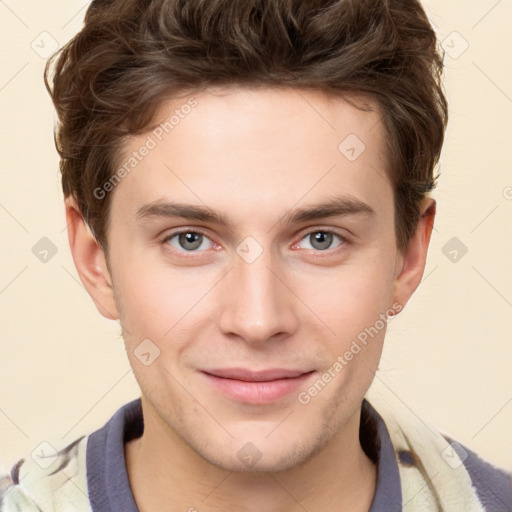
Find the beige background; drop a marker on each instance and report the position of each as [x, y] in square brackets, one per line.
[448, 357]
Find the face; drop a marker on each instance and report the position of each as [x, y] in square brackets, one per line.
[253, 261]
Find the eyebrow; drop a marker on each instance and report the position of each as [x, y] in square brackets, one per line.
[338, 206]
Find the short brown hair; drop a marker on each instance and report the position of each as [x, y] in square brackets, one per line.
[108, 81]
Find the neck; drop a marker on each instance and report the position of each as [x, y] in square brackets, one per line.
[166, 474]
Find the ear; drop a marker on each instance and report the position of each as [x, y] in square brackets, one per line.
[90, 261]
[411, 263]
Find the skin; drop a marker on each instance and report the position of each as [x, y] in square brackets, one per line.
[253, 155]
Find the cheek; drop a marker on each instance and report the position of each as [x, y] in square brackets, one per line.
[151, 301]
[351, 298]
[157, 301]
[161, 303]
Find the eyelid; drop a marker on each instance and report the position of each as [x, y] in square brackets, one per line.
[324, 229]
[180, 231]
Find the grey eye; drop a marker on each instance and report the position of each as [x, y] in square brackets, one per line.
[188, 241]
[321, 240]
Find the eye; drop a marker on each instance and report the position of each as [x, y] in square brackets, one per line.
[188, 241]
[321, 240]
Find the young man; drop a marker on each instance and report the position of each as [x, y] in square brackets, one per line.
[247, 191]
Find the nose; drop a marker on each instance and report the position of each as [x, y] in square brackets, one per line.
[257, 303]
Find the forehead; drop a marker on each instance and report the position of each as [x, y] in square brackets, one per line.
[243, 148]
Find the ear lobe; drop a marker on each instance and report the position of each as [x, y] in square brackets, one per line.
[90, 261]
[414, 257]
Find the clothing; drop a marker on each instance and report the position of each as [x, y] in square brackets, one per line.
[413, 472]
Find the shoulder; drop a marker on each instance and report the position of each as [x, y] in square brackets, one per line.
[48, 480]
[493, 484]
[59, 477]
[435, 468]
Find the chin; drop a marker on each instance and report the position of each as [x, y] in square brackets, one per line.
[260, 456]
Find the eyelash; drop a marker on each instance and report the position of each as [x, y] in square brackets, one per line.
[343, 241]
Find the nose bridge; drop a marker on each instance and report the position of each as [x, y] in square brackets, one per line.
[256, 304]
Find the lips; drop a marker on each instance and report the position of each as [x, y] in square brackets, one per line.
[255, 376]
[256, 387]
